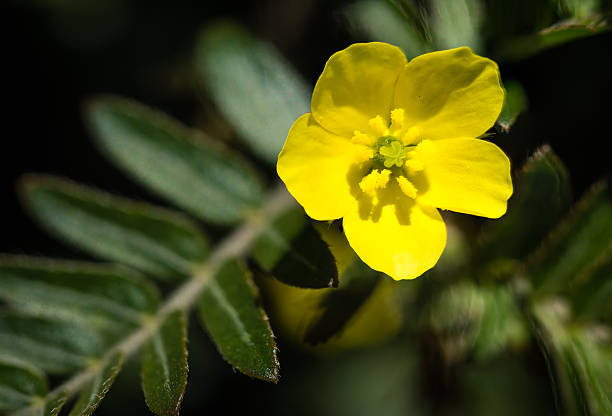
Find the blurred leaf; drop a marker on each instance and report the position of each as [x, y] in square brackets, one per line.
[180, 164]
[154, 240]
[20, 385]
[105, 296]
[580, 9]
[502, 323]
[53, 346]
[164, 366]
[455, 317]
[383, 21]
[96, 389]
[591, 297]
[50, 406]
[576, 244]
[338, 306]
[541, 198]
[293, 251]
[581, 359]
[515, 103]
[457, 23]
[253, 86]
[229, 309]
[557, 34]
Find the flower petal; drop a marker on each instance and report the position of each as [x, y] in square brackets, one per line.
[451, 93]
[465, 175]
[320, 169]
[396, 235]
[356, 85]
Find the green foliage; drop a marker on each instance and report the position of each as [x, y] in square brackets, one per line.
[229, 309]
[292, 251]
[515, 103]
[181, 165]
[157, 241]
[541, 199]
[164, 366]
[96, 389]
[252, 85]
[77, 321]
[20, 384]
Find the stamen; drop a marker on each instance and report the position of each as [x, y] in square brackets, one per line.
[397, 119]
[414, 165]
[375, 180]
[407, 187]
[362, 138]
[378, 125]
[426, 148]
[411, 136]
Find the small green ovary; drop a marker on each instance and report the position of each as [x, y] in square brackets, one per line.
[390, 152]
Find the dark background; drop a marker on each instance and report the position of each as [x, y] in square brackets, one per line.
[53, 61]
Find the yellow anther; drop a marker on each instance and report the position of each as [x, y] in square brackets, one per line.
[426, 148]
[379, 126]
[375, 180]
[411, 136]
[414, 165]
[397, 119]
[362, 138]
[407, 187]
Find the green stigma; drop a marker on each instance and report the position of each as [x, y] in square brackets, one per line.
[390, 151]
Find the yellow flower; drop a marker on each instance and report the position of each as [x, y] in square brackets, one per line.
[390, 141]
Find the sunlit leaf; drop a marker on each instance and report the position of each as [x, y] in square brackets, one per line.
[253, 86]
[164, 366]
[383, 21]
[515, 103]
[541, 198]
[456, 23]
[558, 34]
[20, 385]
[293, 251]
[96, 389]
[160, 242]
[53, 346]
[229, 308]
[105, 296]
[180, 164]
[338, 306]
[577, 244]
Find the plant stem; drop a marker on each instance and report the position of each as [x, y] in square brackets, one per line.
[186, 295]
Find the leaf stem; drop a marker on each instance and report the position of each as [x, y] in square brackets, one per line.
[186, 295]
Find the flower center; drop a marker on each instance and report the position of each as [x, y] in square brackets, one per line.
[396, 153]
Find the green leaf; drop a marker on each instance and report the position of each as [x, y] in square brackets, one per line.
[338, 306]
[20, 385]
[577, 244]
[96, 389]
[456, 23]
[160, 242]
[557, 34]
[182, 165]
[580, 358]
[515, 103]
[292, 250]
[593, 290]
[541, 198]
[229, 309]
[164, 366]
[49, 406]
[253, 86]
[382, 21]
[53, 346]
[502, 324]
[107, 297]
